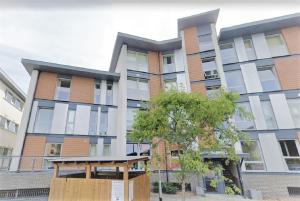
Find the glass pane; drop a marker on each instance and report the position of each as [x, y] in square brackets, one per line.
[268, 80]
[106, 150]
[144, 149]
[235, 81]
[43, 120]
[170, 84]
[274, 40]
[292, 148]
[53, 149]
[103, 123]
[253, 149]
[254, 166]
[62, 93]
[294, 106]
[93, 123]
[130, 117]
[70, 122]
[205, 42]
[283, 148]
[269, 114]
[93, 150]
[131, 149]
[240, 121]
[228, 53]
[293, 164]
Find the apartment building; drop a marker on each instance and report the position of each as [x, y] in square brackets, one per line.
[12, 100]
[74, 111]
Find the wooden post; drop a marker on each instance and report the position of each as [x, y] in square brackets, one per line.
[95, 171]
[117, 172]
[125, 179]
[56, 169]
[88, 171]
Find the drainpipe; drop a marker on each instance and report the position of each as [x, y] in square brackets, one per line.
[238, 168]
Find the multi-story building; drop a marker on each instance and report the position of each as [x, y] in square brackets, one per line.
[12, 99]
[72, 111]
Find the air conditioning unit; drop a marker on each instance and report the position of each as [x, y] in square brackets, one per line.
[213, 74]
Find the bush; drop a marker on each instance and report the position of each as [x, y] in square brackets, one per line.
[167, 188]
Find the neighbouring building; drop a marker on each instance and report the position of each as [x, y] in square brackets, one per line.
[12, 99]
[74, 111]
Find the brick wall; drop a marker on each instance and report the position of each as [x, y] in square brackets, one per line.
[46, 86]
[191, 40]
[292, 39]
[198, 87]
[82, 89]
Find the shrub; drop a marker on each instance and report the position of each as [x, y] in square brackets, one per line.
[167, 188]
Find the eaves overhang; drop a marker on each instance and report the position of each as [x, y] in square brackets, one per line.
[143, 44]
[31, 65]
[259, 26]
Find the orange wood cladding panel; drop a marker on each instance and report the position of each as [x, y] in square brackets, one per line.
[292, 39]
[288, 70]
[191, 40]
[33, 146]
[195, 67]
[74, 146]
[46, 86]
[198, 87]
[75, 189]
[155, 85]
[82, 89]
[141, 194]
[153, 62]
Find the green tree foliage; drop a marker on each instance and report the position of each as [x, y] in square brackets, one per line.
[194, 123]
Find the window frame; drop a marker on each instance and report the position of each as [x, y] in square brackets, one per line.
[138, 65]
[243, 166]
[65, 89]
[273, 114]
[297, 144]
[69, 123]
[292, 113]
[273, 70]
[37, 116]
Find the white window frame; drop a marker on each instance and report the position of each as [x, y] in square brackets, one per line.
[65, 89]
[171, 65]
[138, 65]
[290, 157]
[255, 162]
[67, 122]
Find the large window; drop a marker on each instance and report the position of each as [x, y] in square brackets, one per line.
[130, 117]
[137, 61]
[235, 81]
[106, 149]
[249, 49]
[171, 84]
[254, 161]
[70, 122]
[294, 105]
[63, 89]
[242, 122]
[276, 45]
[103, 123]
[43, 120]
[8, 125]
[169, 65]
[206, 43]
[93, 150]
[137, 89]
[137, 149]
[93, 123]
[5, 158]
[97, 90]
[268, 78]
[290, 151]
[212, 91]
[109, 92]
[210, 68]
[228, 53]
[9, 97]
[269, 114]
[52, 150]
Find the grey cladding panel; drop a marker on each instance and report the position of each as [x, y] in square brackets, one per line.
[170, 76]
[215, 82]
[210, 53]
[45, 103]
[204, 29]
[131, 73]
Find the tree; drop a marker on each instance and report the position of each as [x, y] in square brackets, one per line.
[196, 125]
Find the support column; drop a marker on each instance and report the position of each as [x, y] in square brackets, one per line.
[56, 170]
[125, 179]
[88, 171]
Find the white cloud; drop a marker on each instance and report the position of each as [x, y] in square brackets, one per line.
[85, 35]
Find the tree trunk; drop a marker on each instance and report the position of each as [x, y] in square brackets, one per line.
[183, 191]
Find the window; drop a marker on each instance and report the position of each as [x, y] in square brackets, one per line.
[268, 78]
[137, 61]
[206, 43]
[290, 152]
[269, 114]
[170, 84]
[103, 123]
[228, 53]
[93, 123]
[4, 151]
[241, 122]
[97, 96]
[43, 120]
[137, 89]
[5, 157]
[210, 68]
[63, 89]
[8, 125]
[109, 92]
[93, 150]
[70, 122]
[130, 117]
[249, 49]
[235, 81]
[254, 162]
[294, 106]
[137, 149]
[106, 149]
[212, 91]
[52, 150]
[276, 45]
[169, 65]
[9, 97]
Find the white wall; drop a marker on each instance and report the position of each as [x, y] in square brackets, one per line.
[185, 63]
[103, 92]
[281, 111]
[272, 152]
[251, 78]
[112, 122]
[59, 118]
[115, 93]
[82, 120]
[240, 49]
[33, 116]
[260, 46]
[257, 112]
[179, 63]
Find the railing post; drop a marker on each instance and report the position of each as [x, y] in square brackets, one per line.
[125, 179]
[56, 170]
[88, 171]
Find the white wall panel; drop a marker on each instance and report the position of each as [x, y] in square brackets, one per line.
[240, 49]
[271, 152]
[257, 112]
[82, 119]
[181, 82]
[59, 118]
[251, 78]
[100, 147]
[260, 46]
[179, 62]
[281, 111]
[34, 110]
[112, 122]
[113, 147]
[115, 93]
[103, 92]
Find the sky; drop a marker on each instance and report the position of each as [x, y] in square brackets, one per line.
[83, 33]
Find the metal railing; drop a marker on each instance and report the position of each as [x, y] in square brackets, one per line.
[24, 193]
